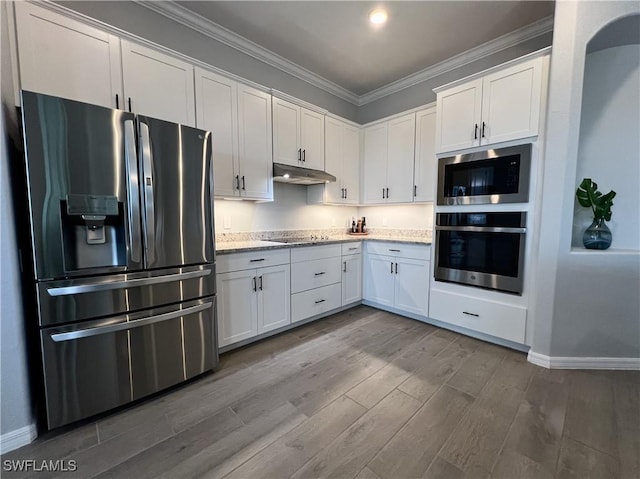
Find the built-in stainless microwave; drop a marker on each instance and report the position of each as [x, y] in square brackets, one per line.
[490, 176]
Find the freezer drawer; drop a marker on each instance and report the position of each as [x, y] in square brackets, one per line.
[72, 300]
[94, 366]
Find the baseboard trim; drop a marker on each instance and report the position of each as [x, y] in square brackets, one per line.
[17, 438]
[560, 362]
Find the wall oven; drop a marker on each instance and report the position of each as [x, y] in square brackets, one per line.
[481, 249]
[491, 176]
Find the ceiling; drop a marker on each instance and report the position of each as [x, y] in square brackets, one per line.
[335, 41]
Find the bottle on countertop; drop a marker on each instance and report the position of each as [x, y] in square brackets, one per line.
[353, 225]
[359, 227]
[364, 225]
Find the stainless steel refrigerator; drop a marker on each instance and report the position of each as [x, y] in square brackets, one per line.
[122, 237]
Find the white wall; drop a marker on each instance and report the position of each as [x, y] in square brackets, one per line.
[586, 303]
[609, 149]
[288, 211]
[15, 406]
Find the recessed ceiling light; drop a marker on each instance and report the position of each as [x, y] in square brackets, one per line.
[378, 16]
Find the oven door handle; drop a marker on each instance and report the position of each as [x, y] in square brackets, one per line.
[482, 229]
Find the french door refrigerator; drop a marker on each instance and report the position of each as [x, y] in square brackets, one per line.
[122, 243]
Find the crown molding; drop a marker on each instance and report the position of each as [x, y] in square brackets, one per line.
[186, 17]
[496, 45]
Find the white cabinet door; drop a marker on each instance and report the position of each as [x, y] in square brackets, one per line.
[333, 141]
[511, 102]
[400, 159]
[255, 137]
[379, 279]
[458, 116]
[158, 85]
[351, 279]
[375, 163]
[412, 286]
[237, 306]
[216, 97]
[351, 164]
[426, 162]
[286, 133]
[274, 298]
[65, 58]
[312, 139]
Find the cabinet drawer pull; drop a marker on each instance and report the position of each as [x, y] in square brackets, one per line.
[351, 249]
[256, 260]
[394, 250]
[320, 301]
[471, 314]
[319, 274]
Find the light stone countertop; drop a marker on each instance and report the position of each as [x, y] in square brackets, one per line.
[227, 247]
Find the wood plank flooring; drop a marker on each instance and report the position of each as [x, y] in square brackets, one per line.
[369, 395]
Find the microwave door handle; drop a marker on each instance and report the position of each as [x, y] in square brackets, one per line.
[133, 210]
[147, 171]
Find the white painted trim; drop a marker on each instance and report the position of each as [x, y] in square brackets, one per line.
[17, 438]
[202, 25]
[186, 17]
[560, 362]
[298, 101]
[496, 45]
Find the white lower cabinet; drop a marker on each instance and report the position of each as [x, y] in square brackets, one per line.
[502, 320]
[351, 279]
[253, 301]
[401, 281]
[316, 279]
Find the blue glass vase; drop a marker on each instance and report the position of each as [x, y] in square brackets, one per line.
[597, 236]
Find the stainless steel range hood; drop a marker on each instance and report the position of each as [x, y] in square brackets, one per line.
[300, 176]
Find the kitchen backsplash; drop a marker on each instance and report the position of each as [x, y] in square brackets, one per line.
[290, 212]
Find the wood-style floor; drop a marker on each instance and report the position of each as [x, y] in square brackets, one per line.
[368, 394]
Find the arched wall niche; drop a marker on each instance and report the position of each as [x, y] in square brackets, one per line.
[609, 141]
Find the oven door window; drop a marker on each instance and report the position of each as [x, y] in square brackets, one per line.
[480, 252]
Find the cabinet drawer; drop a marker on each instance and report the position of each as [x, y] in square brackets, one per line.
[315, 301]
[351, 248]
[308, 253]
[497, 319]
[313, 274]
[253, 259]
[400, 250]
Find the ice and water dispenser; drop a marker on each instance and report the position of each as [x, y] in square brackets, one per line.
[93, 232]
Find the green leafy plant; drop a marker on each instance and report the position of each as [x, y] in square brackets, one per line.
[589, 197]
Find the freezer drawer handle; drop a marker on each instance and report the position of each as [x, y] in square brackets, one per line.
[131, 283]
[86, 333]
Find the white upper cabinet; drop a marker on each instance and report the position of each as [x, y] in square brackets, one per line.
[298, 135]
[158, 85]
[62, 57]
[425, 160]
[255, 147]
[501, 106]
[216, 97]
[342, 160]
[240, 119]
[388, 161]
[458, 116]
[400, 157]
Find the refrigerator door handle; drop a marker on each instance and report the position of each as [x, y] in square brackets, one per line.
[130, 283]
[147, 167]
[112, 328]
[134, 192]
